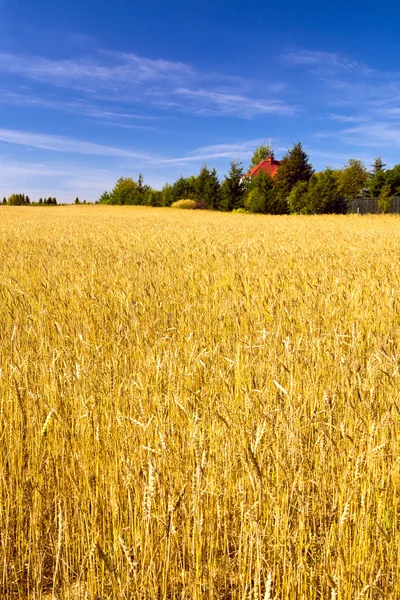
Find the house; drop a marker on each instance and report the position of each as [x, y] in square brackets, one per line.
[269, 165]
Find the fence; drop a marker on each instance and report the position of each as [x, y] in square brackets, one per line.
[370, 205]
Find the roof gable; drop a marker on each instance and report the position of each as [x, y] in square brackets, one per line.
[269, 165]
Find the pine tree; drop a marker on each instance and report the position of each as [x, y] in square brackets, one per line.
[233, 188]
[294, 167]
[378, 165]
[207, 187]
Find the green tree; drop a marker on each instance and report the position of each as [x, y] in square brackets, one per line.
[376, 183]
[207, 187]
[155, 198]
[294, 167]
[393, 179]
[261, 196]
[16, 200]
[183, 188]
[105, 198]
[378, 165]
[167, 195]
[298, 197]
[143, 193]
[324, 195]
[4, 200]
[385, 199]
[124, 191]
[353, 178]
[261, 153]
[77, 201]
[233, 188]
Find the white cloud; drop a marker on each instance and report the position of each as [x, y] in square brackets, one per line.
[129, 78]
[228, 103]
[60, 143]
[326, 60]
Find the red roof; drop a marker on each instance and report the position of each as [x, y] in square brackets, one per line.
[269, 165]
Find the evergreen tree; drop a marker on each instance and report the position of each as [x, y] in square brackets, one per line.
[155, 198]
[77, 201]
[261, 196]
[294, 167]
[353, 178]
[377, 182]
[4, 200]
[233, 189]
[207, 187]
[105, 198]
[140, 191]
[378, 165]
[183, 188]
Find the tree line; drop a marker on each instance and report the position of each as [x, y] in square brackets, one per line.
[296, 187]
[23, 200]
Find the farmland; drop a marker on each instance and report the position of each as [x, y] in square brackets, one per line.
[198, 405]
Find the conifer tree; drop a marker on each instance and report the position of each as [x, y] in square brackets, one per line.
[233, 188]
[207, 187]
[378, 165]
[294, 167]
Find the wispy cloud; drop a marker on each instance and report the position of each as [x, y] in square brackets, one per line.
[163, 84]
[373, 134]
[326, 61]
[114, 68]
[64, 144]
[79, 106]
[345, 118]
[237, 150]
[216, 102]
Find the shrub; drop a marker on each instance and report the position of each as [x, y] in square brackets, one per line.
[242, 211]
[184, 204]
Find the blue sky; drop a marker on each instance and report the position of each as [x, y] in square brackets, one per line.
[98, 89]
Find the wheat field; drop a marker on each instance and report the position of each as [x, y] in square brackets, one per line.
[198, 405]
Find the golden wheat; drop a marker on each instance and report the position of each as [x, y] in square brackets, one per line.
[198, 405]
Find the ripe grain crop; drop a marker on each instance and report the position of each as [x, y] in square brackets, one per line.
[198, 405]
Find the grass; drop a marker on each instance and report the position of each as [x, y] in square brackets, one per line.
[198, 405]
